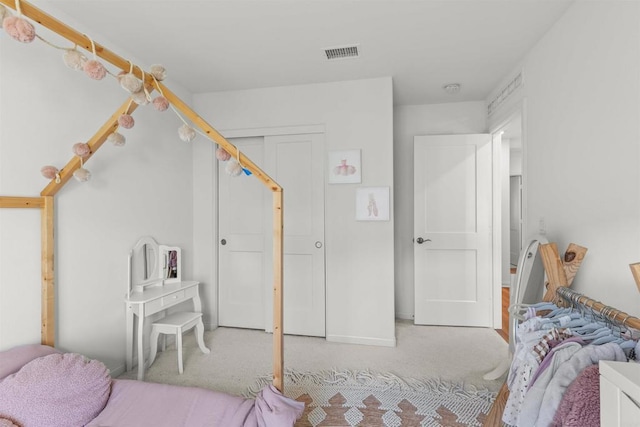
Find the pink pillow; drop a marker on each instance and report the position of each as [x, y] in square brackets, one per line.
[13, 359]
[56, 390]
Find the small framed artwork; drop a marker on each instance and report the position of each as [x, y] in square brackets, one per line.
[344, 167]
[170, 263]
[372, 204]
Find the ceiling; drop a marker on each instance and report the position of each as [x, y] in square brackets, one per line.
[220, 45]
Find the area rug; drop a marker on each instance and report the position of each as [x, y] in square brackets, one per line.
[365, 398]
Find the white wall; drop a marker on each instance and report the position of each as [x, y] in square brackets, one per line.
[359, 255]
[135, 190]
[409, 121]
[582, 91]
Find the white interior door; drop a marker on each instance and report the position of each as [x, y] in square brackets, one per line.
[242, 227]
[295, 162]
[452, 230]
[245, 225]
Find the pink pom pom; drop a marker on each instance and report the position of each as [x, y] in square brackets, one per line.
[81, 149]
[160, 103]
[19, 29]
[222, 155]
[49, 171]
[126, 121]
[94, 69]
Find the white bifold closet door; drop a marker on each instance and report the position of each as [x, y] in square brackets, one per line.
[452, 230]
[246, 237]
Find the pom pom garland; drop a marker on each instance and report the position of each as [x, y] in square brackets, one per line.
[222, 155]
[49, 172]
[81, 149]
[130, 83]
[19, 29]
[186, 133]
[140, 97]
[158, 72]
[126, 121]
[94, 69]
[116, 139]
[233, 168]
[82, 175]
[160, 103]
[74, 59]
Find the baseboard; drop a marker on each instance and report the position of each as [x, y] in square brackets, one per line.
[362, 340]
[404, 316]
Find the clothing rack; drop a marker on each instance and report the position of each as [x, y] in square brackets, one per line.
[610, 313]
[494, 417]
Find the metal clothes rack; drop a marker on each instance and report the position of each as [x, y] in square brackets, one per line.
[612, 314]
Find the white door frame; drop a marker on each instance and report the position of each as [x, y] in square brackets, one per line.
[496, 126]
[245, 133]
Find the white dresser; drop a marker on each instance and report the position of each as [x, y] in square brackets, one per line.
[619, 394]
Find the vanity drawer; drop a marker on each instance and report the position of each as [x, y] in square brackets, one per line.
[173, 299]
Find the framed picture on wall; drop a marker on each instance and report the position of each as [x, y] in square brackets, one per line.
[372, 204]
[344, 167]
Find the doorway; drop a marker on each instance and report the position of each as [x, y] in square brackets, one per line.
[245, 271]
[509, 184]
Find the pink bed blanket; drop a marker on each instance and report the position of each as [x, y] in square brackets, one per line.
[42, 387]
[135, 404]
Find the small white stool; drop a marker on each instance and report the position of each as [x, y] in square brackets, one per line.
[177, 323]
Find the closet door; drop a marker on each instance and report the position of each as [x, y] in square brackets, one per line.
[246, 239]
[296, 163]
[242, 226]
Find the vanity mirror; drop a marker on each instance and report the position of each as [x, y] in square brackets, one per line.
[143, 265]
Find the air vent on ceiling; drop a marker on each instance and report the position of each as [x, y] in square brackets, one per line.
[505, 93]
[341, 52]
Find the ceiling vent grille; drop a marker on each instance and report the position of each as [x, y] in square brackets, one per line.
[342, 52]
[505, 93]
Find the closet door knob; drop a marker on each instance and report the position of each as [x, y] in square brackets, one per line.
[420, 240]
[223, 242]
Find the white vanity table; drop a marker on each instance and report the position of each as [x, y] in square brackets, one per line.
[152, 290]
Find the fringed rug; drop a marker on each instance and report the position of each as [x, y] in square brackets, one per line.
[364, 398]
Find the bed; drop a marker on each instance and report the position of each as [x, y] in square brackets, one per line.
[41, 386]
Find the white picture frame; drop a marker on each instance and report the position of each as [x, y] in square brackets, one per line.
[372, 204]
[345, 167]
[170, 265]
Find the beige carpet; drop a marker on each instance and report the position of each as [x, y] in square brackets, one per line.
[239, 357]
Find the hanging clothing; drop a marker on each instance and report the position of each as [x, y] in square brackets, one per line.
[580, 405]
[568, 372]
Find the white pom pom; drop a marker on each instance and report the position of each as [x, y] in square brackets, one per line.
[140, 98]
[74, 59]
[116, 139]
[158, 72]
[82, 175]
[233, 168]
[186, 133]
[130, 83]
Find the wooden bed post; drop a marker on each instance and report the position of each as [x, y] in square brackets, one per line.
[45, 204]
[278, 324]
[48, 331]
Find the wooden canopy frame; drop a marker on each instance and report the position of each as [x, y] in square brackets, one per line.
[45, 202]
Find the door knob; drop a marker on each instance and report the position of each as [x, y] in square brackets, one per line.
[420, 240]
[223, 242]
[318, 244]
